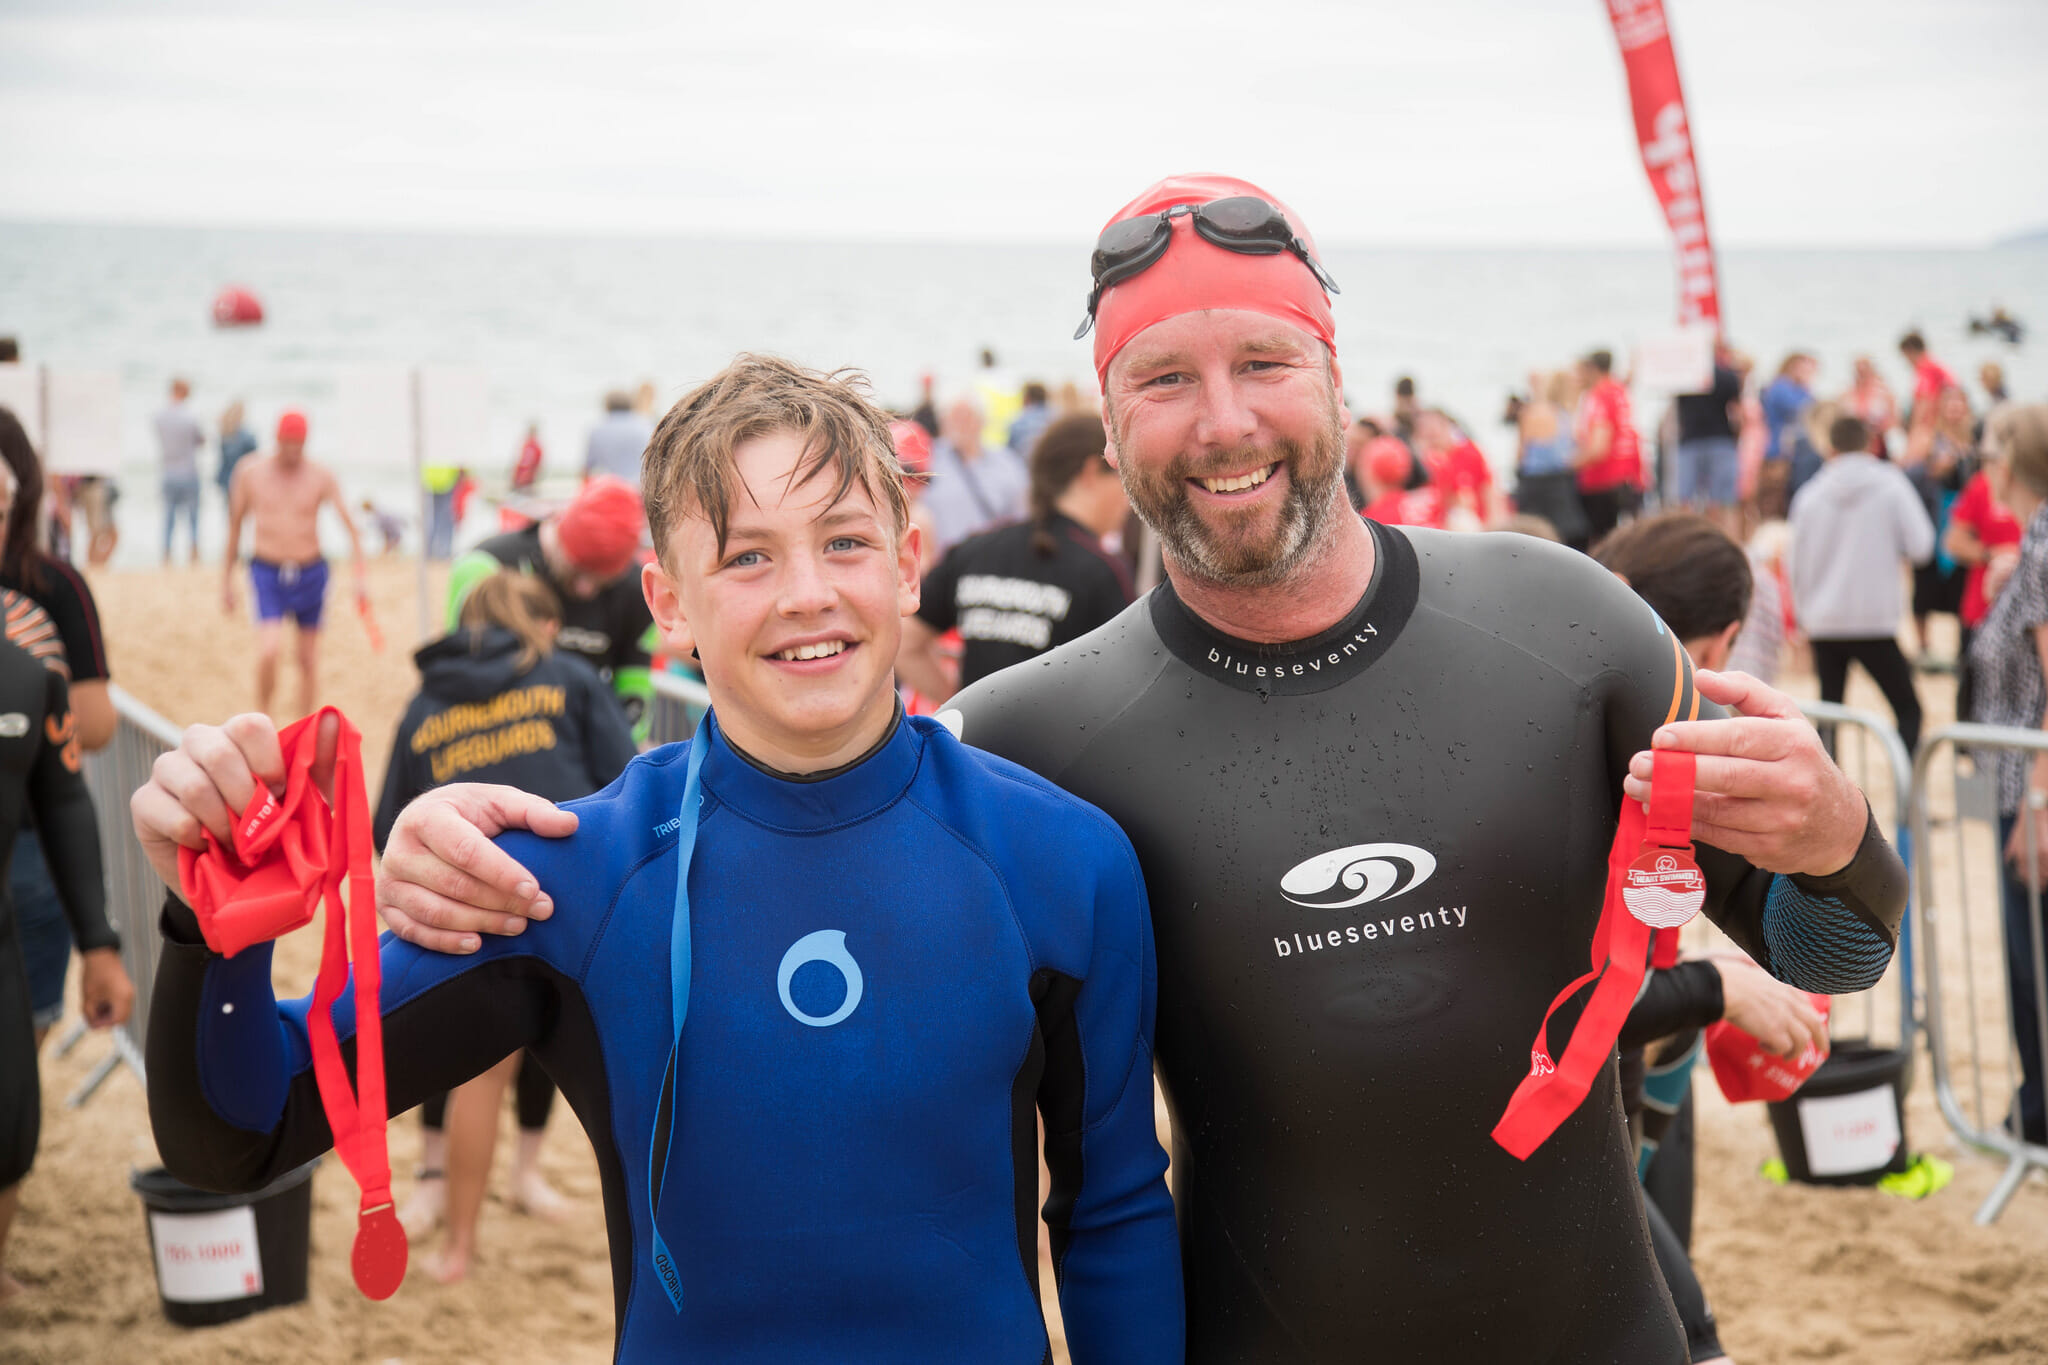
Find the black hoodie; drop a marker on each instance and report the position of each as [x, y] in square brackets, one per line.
[554, 730]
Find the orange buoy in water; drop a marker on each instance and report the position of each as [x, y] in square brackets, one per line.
[236, 307]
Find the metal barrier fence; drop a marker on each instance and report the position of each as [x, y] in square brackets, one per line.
[1963, 801]
[1870, 751]
[134, 891]
[679, 703]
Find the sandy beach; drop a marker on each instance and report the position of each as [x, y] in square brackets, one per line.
[1795, 1273]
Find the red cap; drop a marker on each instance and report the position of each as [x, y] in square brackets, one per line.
[292, 426]
[1195, 273]
[1387, 462]
[913, 445]
[601, 527]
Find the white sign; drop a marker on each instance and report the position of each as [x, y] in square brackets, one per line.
[82, 422]
[1678, 361]
[1849, 1134]
[455, 419]
[21, 394]
[207, 1257]
[375, 430]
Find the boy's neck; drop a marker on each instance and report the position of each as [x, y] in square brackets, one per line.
[799, 758]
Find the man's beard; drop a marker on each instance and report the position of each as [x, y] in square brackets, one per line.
[1235, 556]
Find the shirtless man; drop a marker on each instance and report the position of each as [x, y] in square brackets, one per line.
[285, 491]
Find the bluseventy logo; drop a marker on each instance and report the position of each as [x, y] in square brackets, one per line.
[1354, 876]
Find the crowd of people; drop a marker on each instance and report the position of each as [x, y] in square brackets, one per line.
[973, 837]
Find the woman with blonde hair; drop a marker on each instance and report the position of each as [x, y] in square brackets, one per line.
[497, 703]
[235, 441]
[2009, 657]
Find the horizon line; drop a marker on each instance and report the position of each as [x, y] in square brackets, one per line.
[510, 232]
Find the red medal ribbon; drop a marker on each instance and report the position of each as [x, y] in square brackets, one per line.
[1552, 1090]
[281, 864]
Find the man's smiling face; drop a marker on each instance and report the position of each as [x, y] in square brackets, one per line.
[1225, 426]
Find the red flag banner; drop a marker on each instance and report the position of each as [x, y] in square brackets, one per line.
[1661, 128]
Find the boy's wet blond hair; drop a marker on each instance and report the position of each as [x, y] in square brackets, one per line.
[689, 471]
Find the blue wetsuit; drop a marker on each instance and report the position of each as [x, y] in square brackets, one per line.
[853, 1168]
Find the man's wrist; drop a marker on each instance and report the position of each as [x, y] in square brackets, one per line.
[1840, 855]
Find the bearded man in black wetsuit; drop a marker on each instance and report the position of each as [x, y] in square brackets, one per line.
[1372, 776]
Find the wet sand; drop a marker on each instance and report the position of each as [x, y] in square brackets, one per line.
[1795, 1273]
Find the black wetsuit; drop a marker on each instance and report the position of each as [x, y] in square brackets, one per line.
[1373, 857]
[39, 773]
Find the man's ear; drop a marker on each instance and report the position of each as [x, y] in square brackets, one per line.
[1108, 437]
[909, 583]
[665, 604]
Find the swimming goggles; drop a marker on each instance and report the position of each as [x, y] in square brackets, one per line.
[1243, 223]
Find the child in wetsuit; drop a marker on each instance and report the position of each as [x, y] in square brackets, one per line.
[811, 981]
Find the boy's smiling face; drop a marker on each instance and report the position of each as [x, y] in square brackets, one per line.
[796, 618]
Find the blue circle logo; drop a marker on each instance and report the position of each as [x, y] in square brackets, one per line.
[829, 947]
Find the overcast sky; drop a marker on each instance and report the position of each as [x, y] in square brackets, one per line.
[1423, 122]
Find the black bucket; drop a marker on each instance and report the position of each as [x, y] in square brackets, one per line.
[224, 1256]
[1847, 1124]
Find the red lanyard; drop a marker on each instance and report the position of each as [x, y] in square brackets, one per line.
[1652, 882]
[286, 857]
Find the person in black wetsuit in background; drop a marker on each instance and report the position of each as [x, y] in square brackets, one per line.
[39, 777]
[61, 592]
[1372, 775]
[1698, 582]
[497, 700]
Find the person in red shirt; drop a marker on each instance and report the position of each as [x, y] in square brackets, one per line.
[526, 471]
[1609, 459]
[1981, 529]
[1930, 377]
[1382, 472]
[1457, 468]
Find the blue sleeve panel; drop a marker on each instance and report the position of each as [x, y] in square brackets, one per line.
[1819, 944]
[895, 972]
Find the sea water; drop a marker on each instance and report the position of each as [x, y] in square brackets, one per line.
[552, 323]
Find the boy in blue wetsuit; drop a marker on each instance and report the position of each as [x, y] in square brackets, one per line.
[900, 953]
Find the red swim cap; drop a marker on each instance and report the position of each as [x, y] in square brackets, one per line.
[601, 527]
[1387, 462]
[913, 445]
[292, 426]
[1195, 273]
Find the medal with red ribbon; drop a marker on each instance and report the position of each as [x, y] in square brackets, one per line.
[1653, 883]
[286, 856]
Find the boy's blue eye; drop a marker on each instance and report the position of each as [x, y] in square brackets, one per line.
[843, 543]
[746, 559]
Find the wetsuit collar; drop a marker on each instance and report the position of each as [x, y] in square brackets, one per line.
[813, 801]
[1299, 667]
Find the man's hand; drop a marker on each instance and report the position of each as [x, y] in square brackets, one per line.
[444, 882]
[1766, 790]
[106, 996]
[1777, 1015]
[227, 594]
[205, 783]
